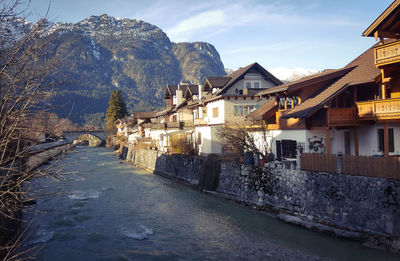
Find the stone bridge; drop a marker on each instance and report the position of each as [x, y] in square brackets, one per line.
[73, 135]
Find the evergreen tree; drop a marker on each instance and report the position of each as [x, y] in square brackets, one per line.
[116, 109]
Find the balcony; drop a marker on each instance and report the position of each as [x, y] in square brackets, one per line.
[387, 109]
[334, 117]
[200, 122]
[387, 54]
[341, 116]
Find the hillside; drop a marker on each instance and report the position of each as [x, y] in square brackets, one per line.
[102, 53]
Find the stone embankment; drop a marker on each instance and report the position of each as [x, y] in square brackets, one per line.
[360, 208]
[42, 155]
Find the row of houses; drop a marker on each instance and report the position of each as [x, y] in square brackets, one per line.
[354, 110]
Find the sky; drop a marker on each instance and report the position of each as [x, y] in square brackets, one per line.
[278, 34]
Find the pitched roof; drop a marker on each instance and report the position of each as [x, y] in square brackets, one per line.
[364, 71]
[170, 90]
[163, 112]
[238, 74]
[325, 75]
[258, 114]
[224, 82]
[386, 23]
[191, 90]
[144, 114]
[218, 82]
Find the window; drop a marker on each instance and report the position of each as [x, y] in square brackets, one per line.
[243, 110]
[215, 112]
[286, 148]
[199, 138]
[252, 84]
[381, 140]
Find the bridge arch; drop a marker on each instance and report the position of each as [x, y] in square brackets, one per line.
[94, 138]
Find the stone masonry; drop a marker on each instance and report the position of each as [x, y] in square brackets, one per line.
[358, 207]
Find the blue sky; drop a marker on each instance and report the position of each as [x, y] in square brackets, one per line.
[310, 34]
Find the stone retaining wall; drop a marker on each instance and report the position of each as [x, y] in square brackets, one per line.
[351, 206]
[39, 158]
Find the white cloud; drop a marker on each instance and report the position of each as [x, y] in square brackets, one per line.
[212, 22]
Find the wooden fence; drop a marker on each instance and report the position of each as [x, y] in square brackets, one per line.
[318, 162]
[378, 167]
[369, 166]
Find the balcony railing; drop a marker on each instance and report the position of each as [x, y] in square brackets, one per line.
[200, 122]
[387, 53]
[379, 109]
[341, 116]
[188, 123]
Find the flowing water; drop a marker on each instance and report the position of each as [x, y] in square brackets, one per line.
[100, 208]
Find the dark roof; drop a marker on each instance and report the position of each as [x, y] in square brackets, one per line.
[191, 90]
[218, 82]
[144, 114]
[170, 90]
[225, 82]
[259, 113]
[361, 70]
[325, 75]
[163, 112]
[239, 74]
[387, 23]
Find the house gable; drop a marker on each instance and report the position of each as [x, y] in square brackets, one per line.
[387, 25]
[251, 74]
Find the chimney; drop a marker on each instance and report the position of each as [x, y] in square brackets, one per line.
[200, 90]
[179, 96]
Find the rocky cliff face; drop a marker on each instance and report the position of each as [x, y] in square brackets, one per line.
[102, 53]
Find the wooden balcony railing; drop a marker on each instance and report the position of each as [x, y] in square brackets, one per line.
[379, 109]
[341, 116]
[387, 54]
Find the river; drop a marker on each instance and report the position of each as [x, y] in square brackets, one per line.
[101, 208]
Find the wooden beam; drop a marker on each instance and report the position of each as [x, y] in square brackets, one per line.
[383, 90]
[328, 141]
[356, 149]
[386, 139]
[355, 94]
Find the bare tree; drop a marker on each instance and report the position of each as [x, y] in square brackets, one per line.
[23, 70]
[241, 137]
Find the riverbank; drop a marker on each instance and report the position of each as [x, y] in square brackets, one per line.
[10, 220]
[358, 208]
[106, 209]
[42, 156]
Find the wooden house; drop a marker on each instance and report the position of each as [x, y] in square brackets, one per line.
[354, 110]
[384, 109]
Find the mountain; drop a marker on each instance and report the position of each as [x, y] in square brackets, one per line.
[103, 53]
[290, 75]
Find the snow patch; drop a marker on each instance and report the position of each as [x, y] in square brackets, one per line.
[286, 74]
